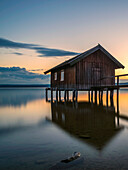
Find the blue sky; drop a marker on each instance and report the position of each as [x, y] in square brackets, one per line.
[65, 26]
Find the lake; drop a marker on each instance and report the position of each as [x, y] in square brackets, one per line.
[35, 134]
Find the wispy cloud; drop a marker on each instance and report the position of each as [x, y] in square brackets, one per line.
[36, 70]
[50, 52]
[20, 75]
[42, 51]
[18, 53]
[4, 43]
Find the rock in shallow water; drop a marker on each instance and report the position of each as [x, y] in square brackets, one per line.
[70, 162]
[72, 158]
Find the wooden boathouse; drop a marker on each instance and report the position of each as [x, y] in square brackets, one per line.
[92, 71]
[85, 70]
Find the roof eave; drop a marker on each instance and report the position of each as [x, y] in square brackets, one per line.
[112, 58]
[79, 57]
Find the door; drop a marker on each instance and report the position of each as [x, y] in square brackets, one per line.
[96, 76]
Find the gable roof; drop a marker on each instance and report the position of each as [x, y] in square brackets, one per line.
[79, 57]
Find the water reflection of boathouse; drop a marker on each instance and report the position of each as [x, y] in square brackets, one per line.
[91, 123]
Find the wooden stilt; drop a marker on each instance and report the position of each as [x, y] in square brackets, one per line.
[118, 107]
[51, 95]
[95, 96]
[107, 98]
[91, 96]
[59, 95]
[117, 100]
[46, 95]
[99, 97]
[65, 92]
[73, 95]
[111, 97]
[76, 95]
[56, 95]
[67, 95]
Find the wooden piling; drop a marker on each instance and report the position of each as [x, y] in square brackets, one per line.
[59, 95]
[51, 95]
[118, 100]
[67, 95]
[107, 97]
[46, 95]
[76, 95]
[118, 106]
[91, 96]
[65, 92]
[101, 99]
[56, 95]
[111, 97]
[73, 97]
[117, 80]
[95, 96]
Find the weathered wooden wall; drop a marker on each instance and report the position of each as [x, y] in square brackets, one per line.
[91, 69]
[69, 78]
[87, 72]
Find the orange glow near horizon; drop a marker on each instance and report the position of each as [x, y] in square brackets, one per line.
[34, 110]
[123, 96]
[31, 61]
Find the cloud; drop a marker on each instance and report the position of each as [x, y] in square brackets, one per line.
[19, 75]
[37, 70]
[49, 52]
[18, 53]
[4, 43]
[42, 51]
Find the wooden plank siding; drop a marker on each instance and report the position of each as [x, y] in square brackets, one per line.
[86, 73]
[69, 78]
[91, 69]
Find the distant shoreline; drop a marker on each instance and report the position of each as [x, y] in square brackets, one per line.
[23, 85]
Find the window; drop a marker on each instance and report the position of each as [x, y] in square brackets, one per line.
[62, 75]
[55, 76]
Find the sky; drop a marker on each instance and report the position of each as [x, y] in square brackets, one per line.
[36, 35]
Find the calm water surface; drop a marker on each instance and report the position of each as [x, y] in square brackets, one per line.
[35, 134]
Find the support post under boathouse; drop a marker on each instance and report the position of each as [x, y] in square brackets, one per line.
[92, 71]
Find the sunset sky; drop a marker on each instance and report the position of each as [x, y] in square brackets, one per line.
[36, 35]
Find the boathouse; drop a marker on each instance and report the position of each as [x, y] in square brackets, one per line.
[88, 69]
